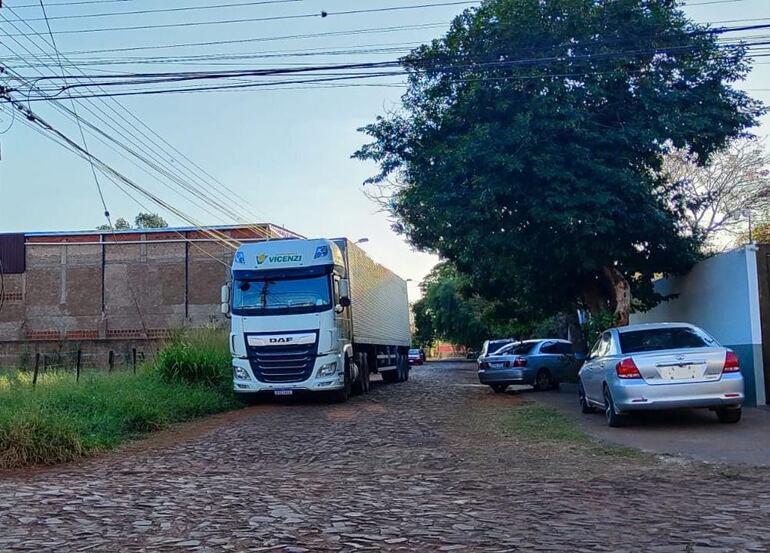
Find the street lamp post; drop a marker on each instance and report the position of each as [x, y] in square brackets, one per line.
[747, 213]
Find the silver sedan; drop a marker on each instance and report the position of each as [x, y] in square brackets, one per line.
[660, 366]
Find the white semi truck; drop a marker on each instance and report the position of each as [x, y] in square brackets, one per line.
[314, 316]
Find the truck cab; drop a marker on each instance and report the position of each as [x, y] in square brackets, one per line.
[288, 301]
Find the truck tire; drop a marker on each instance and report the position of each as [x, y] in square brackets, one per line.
[341, 396]
[361, 385]
[402, 370]
[390, 376]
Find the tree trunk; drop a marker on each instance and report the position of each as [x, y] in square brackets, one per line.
[594, 298]
[621, 295]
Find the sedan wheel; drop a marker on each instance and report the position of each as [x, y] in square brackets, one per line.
[543, 381]
[585, 407]
[729, 416]
[613, 419]
[499, 388]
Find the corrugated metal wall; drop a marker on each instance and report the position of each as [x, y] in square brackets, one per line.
[379, 302]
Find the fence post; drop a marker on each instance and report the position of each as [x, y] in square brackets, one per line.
[111, 360]
[37, 367]
[77, 367]
[133, 359]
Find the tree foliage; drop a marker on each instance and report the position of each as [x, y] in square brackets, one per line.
[141, 221]
[450, 310]
[719, 195]
[150, 220]
[529, 145]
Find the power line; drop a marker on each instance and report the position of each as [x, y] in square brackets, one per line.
[322, 14]
[173, 77]
[80, 126]
[374, 30]
[164, 10]
[194, 175]
[74, 3]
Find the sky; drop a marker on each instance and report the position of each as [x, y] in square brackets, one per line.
[286, 153]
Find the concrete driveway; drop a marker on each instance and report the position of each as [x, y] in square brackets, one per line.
[694, 434]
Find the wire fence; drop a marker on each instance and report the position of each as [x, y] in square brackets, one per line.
[78, 361]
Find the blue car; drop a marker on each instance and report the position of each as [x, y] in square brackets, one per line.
[539, 363]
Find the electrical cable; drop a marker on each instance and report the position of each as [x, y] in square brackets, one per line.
[71, 113]
[165, 10]
[80, 126]
[195, 175]
[322, 14]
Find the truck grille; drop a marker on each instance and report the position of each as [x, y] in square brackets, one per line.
[286, 363]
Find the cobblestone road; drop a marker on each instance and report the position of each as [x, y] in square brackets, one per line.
[420, 466]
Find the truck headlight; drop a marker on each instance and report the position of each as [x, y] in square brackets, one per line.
[328, 370]
[241, 374]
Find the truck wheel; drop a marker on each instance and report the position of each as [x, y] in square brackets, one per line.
[400, 372]
[366, 376]
[390, 376]
[341, 396]
[361, 385]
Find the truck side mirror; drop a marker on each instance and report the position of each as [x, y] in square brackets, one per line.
[344, 301]
[225, 299]
[344, 288]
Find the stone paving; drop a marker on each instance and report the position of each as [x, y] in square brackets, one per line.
[420, 466]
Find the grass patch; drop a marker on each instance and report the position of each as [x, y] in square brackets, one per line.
[196, 357]
[61, 420]
[539, 424]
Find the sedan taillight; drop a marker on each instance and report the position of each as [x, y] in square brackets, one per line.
[627, 369]
[732, 365]
[520, 362]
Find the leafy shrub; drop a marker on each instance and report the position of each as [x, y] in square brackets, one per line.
[200, 356]
[37, 438]
[61, 420]
[596, 324]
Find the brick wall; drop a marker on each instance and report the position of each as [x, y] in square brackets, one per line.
[93, 289]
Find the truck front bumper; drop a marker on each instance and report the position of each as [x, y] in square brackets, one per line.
[316, 382]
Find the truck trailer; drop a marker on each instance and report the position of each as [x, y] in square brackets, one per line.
[315, 316]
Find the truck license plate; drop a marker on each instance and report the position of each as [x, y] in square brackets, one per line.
[283, 392]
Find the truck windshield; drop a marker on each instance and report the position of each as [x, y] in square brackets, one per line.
[254, 296]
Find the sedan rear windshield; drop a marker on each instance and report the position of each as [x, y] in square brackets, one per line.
[655, 339]
[495, 345]
[517, 349]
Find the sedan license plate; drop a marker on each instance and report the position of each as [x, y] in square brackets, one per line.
[678, 373]
[283, 392]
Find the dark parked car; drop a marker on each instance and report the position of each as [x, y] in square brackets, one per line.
[540, 363]
[416, 357]
[491, 346]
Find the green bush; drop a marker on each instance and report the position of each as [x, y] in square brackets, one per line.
[200, 356]
[61, 420]
[596, 324]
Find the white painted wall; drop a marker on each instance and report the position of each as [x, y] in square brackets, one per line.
[719, 294]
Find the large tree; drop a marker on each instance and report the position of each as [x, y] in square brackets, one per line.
[529, 145]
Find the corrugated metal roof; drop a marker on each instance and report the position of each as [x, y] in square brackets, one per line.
[159, 230]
